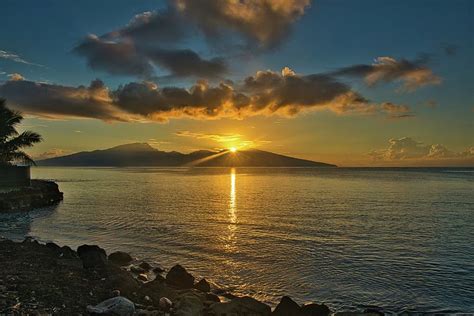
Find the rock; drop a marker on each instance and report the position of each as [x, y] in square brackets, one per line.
[203, 286]
[137, 270]
[119, 306]
[157, 289]
[120, 258]
[287, 307]
[115, 293]
[165, 304]
[315, 310]
[212, 297]
[54, 247]
[142, 277]
[158, 270]
[68, 253]
[121, 280]
[92, 256]
[179, 278]
[241, 306]
[145, 266]
[189, 305]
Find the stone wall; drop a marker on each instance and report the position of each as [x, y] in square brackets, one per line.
[15, 176]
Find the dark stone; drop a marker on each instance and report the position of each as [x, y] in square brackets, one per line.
[179, 278]
[315, 310]
[92, 256]
[137, 269]
[212, 297]
[39, 194]
[287, 307]
[120, 258]
[122, 281]
[158, 270]
[145, 266]
[68, 253]
[203, 286]
[54, 247]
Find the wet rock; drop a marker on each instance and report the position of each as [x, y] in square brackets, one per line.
[315, 310]
[142, 277]
[68, 253]
[54, 247]
[145, 266]
[158, 270]
[287, 307]
[241, 306]
[120, 258]
[165, 304]
[92, 256]
[203, 286]
[119, 306]
[137, 270]
[189, 304]
[122, 281]
[157, 289]
[212, 297]
[179, 278]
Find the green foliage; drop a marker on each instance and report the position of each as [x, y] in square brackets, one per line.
[12, 142]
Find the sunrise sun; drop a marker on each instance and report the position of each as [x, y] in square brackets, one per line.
[233, 149]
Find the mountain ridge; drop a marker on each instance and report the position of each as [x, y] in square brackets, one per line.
[144, 155]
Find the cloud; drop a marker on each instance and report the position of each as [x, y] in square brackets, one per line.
[114, 57]
[396, 111]
[406, 148]
[16, 58]
[55, 152]
[220, 138]
[262, 22]
[56, 101]
[226, 139]
[16, 77]
[412, 74]
[122, 56]
[267, 92]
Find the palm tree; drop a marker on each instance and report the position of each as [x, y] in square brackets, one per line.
[11, 142]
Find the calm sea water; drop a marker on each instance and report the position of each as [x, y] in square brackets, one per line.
[401, 239]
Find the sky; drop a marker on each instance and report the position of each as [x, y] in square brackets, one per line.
[355, 83]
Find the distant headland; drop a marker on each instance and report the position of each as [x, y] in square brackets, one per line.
[144, 155]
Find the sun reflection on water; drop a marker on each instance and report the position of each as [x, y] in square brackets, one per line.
[230, 246]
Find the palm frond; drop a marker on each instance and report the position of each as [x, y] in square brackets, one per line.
[25, 139]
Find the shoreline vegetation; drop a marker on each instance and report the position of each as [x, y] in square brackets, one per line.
[48, 279]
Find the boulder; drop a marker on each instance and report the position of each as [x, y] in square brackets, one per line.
[142, 277]
[287, 307]
[315, 310]
[241, 306]
[189, 304]
[122, 281]
[145, 266]
[212, 297]
[119, 306]
[180, 278]
[158, 270]
[203, 286]
[137, 270]
[92, 256]
[165, 304]
[120, 258]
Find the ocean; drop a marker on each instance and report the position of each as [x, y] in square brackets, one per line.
[397, 238]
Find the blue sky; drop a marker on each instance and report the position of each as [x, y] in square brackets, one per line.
[329, 35]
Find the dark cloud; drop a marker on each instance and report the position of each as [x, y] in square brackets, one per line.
[263, 22]
[114, 57]
[166, 25]
[396, 111]
[265, 93]
[187, 63]
[412, 74]
[56, 101]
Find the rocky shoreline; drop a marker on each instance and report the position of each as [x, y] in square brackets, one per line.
[40, 193]
[47, 279]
